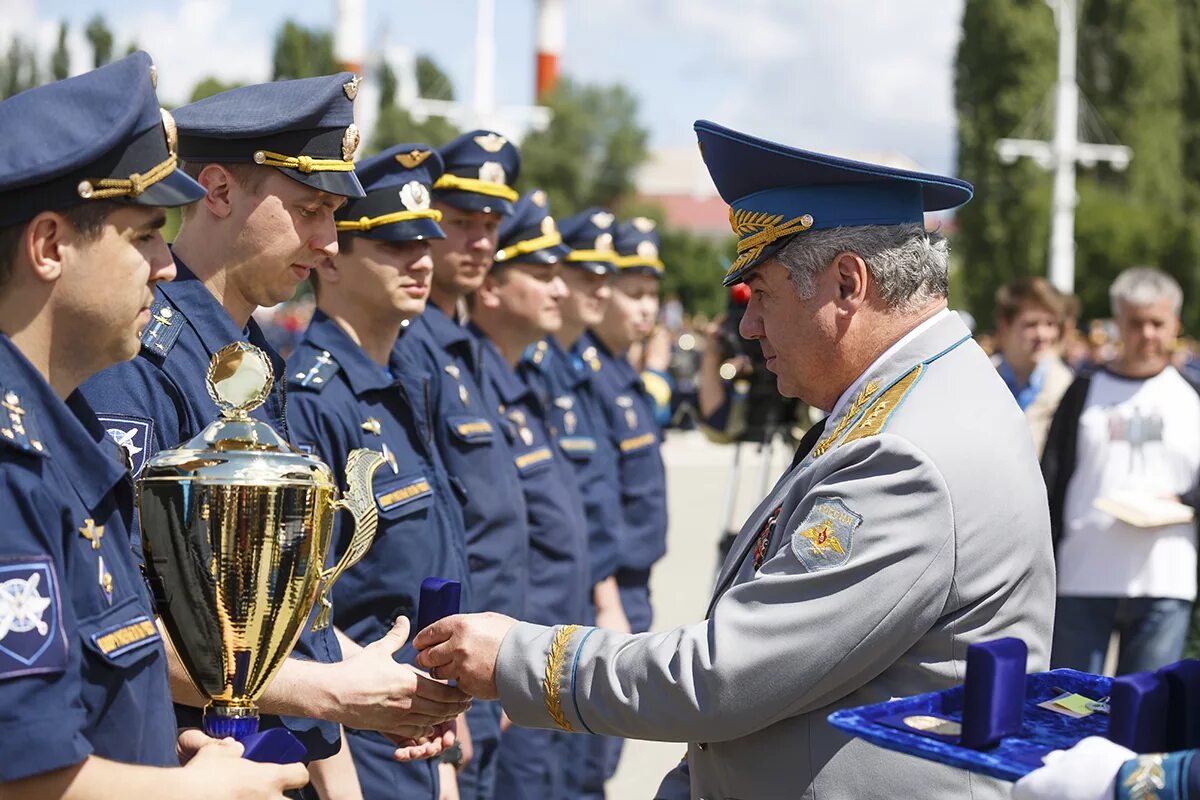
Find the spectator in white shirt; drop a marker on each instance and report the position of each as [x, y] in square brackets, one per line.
[1131, 427]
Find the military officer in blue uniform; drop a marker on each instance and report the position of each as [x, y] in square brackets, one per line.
[86, 166]
[349, 387]
[588, 272]
[276, 161]
[516, 306]
[473, 195]
[1098, 769]
[630, 412]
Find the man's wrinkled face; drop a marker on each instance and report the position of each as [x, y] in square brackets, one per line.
[1033, 333]
[796, 335]
[461, 261]
[1147, 333]
[588, 296]
[108, 282]
[286, 229]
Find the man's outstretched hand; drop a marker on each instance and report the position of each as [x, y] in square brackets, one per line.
[464, 648]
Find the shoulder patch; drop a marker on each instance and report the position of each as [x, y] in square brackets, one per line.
[166, 323]
[17, 428]
[879, 413]
[312, 370]
[133, 434]
[32, 639]
[824, 539]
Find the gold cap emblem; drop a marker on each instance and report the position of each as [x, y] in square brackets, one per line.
[538, 198]
[643, 224]
[492, 142]
[548, 226]
[350, 141]
[170, 129]
[647, 250]
[153, 76]
[413, 158]
[415, 196]
[351, 87]
[492, 172]
[602, 220]
[604, 243]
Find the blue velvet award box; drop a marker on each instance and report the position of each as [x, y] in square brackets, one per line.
[997, 723]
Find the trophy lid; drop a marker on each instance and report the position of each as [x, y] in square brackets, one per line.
[235, 446]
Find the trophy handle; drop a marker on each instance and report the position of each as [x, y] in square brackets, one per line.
[359, 500]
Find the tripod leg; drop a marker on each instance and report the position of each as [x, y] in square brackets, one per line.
[731, 493]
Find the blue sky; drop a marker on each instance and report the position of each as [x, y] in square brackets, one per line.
[856, 75]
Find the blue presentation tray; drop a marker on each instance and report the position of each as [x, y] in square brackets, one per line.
[1015, 756]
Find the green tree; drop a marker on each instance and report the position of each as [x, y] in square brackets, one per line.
[1005, 67]
[19, 68]
[60, 61]
[209, 86]
[1138, 66]
[302, 53]
[396, 125]
[588, 153]
[432, 82]
[388, 86]
[101, 40]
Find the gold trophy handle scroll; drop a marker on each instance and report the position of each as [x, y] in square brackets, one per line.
[359, 500]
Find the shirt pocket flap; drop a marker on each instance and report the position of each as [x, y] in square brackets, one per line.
[400, 495]
[471, 429]
[122, 635]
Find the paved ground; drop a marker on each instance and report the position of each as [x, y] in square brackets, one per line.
[698, 477]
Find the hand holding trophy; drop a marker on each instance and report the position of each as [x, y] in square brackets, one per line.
[236, 526]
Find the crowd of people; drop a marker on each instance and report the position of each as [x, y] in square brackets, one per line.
[507, 369]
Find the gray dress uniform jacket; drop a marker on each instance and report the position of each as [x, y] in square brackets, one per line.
[916, 526]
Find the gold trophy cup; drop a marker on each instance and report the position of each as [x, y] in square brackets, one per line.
[236, 526]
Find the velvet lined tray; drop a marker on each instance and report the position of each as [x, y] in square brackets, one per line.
[1015, 756]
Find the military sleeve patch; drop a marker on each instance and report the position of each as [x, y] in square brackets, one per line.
[823, 540]
[133, 435]
[32, 639]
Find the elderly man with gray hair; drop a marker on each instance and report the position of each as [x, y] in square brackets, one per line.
[912, 523]
[1126, 434]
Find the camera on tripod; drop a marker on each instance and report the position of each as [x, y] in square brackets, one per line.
[755, 411]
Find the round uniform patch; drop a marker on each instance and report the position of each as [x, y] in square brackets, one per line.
[824, 539]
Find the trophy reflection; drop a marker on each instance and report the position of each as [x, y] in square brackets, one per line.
[236, 525]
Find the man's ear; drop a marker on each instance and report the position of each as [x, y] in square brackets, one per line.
[219, 185]
[47, 238]
[488, 294]
[853, 280]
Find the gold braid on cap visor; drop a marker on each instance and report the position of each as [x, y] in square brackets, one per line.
[367, 223]
[475, 185]
[757, 229]
[305, 164]
[134, 185]
[529, 246]
[626, 262]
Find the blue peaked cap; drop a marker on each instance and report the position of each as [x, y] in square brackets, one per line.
[637, 243]
[97, 136]
[529, 234]
[304, 128]
[775, 192]
[398, 183]
[481, 168]
[589, 234]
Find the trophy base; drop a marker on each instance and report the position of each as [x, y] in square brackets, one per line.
[221, 721]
